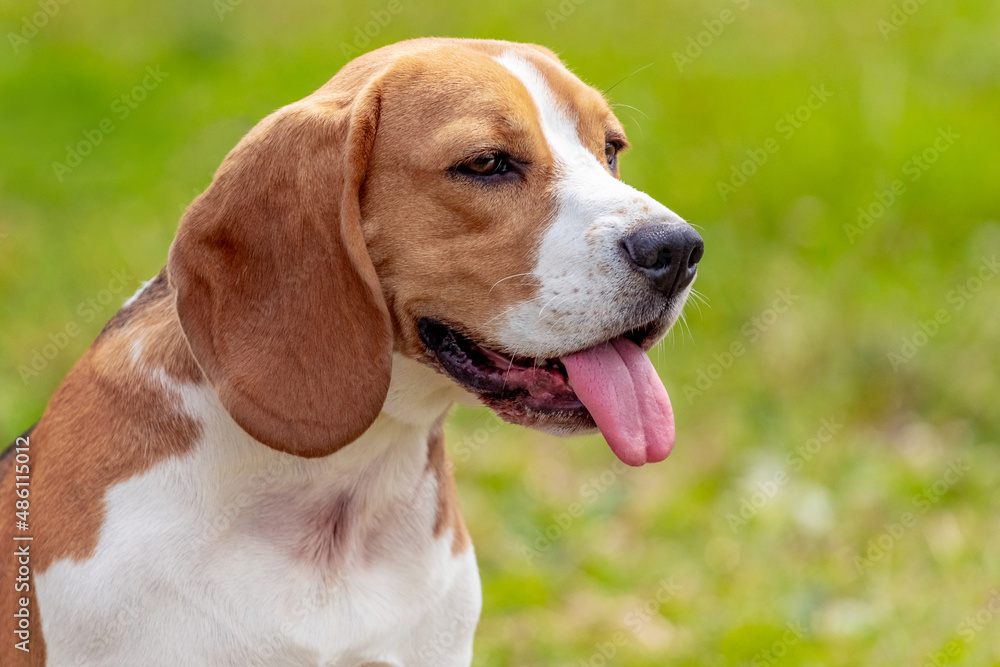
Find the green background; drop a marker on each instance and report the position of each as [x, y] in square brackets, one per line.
[707, 558]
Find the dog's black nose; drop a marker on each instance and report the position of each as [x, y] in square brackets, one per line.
[667, 254]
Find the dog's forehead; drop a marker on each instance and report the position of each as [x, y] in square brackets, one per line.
[542, 76]
[547, 78]
[438, 80]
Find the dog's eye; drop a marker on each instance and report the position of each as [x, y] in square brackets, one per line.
[486, 165]
[611, 153]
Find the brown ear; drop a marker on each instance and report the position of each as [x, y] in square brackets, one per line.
[276, 292]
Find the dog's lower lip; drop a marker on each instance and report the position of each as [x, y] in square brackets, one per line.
[538, 384]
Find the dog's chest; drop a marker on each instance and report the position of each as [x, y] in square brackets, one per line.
[251, 556]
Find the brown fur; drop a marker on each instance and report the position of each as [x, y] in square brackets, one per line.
[449, 514]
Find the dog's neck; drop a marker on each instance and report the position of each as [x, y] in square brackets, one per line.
[332, 510]
[385, 462]
[251, 488]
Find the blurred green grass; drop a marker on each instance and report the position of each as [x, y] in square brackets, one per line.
[729, 585]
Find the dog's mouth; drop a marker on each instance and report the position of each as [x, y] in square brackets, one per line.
[612, 386]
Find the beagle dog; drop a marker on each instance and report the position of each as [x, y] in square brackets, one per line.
[247, 466]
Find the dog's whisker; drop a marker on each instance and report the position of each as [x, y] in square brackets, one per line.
[516, 275]
[685, 326]
[699, 295]
[699, 299]
[509, 366]
[629, 106]
[638, 125]
[624, 78]
[547, 305]
[513, 308]
[696, 305]
[559, 317]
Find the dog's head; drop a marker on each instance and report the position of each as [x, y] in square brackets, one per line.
[454, 201]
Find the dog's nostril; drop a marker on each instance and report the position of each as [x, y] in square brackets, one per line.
[662, 260]
[697, 253]
[646, 252]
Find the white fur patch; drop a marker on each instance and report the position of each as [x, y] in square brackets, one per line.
[586, 286]
[237, 554]
[138, 292]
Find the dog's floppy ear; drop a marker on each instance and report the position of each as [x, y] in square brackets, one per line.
[276, 292]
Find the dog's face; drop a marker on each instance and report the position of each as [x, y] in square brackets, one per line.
[508, 253]
[499, 228]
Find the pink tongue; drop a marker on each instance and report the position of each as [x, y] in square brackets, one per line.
[619, 386]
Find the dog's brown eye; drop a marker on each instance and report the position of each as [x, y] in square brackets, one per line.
[611, 153]
[486, 165]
